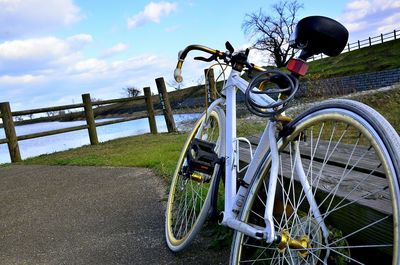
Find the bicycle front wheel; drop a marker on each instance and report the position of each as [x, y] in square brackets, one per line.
[190, 197]
[349, 155]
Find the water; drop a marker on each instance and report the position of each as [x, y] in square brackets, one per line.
[64, 141]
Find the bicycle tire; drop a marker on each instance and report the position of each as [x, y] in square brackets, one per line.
[362, 223]
[180, 231]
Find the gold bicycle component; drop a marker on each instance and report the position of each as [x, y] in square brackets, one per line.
[300, 244]
[283, 119]
[182, 54]
[263, 85]
[197, 177]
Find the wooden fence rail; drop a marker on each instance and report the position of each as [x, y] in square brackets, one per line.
[12, 139]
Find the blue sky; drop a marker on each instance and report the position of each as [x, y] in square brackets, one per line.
[51, 52]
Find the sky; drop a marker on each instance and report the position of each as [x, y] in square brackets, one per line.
[52, 51]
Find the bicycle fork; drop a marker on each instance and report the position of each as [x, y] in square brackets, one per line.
[268, 232]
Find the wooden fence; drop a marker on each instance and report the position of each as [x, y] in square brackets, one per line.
[87, 104]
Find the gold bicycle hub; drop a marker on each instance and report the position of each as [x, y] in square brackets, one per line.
[300, 244]
[197, 177]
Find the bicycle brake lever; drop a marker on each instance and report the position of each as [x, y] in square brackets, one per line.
[210, 59]
[229, 47]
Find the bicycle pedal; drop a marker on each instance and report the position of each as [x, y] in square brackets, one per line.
[201, 157]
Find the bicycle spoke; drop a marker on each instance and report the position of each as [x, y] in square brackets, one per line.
[341, 254]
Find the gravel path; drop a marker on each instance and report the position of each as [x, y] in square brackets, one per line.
[88, 215]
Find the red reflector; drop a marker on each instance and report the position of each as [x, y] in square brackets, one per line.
[297, 66]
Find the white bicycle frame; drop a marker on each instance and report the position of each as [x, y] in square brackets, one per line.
[234, 201]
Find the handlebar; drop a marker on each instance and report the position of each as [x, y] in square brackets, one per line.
[182, 55]
[215, 54]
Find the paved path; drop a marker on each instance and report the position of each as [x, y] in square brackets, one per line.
[87, 215]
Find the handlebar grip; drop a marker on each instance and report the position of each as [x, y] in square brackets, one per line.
[178, 75]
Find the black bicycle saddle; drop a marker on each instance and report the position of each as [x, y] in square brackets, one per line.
[318, 34]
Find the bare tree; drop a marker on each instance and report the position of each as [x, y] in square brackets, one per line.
[131, 91]
[271, 32]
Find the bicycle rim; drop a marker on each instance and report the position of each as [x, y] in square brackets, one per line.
[352, 166]
[189, 198]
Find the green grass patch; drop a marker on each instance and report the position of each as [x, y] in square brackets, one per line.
[369, 59]
[387, 103]
[159, 152]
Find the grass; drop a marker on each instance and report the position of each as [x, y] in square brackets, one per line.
[369, 59]
[386, 103]
[159, 152]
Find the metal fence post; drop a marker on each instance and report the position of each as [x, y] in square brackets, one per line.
[162, 92]
[90, 119]
[150, 110]
[9, 129]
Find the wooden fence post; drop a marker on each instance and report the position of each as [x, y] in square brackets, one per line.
[162, 92]
[150, 110]
[9, 130]
[394, 34]
[211, 84]
[382, 37]
[90, 119]
[369, 38]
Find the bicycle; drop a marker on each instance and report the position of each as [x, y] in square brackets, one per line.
[321, 188]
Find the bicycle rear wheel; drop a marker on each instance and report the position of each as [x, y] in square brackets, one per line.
[190, 197]
[350, 156]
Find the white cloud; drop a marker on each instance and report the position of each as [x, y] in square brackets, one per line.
[358, 5]
[365, 18]
[88, 66]
[47, 71]
[151, 13]
[354, 27]
[116, 49]
[28, 17]
[81, 38]
[390, 23]
[23, 79]
[40, 55]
